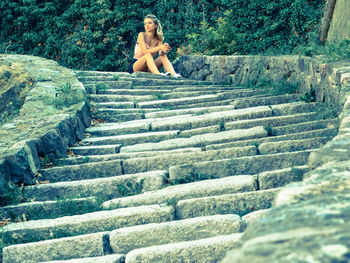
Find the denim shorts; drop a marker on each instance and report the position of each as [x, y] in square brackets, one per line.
[130, 69]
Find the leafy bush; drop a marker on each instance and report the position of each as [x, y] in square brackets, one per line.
[95, 34]
[253, 27]
[101, 34]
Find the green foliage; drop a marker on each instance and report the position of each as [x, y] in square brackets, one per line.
[269, 130]
[332, 51]
[66, 96]
[11, 195]
[297, 174]
[309, 96]
[250, 27]
[101, 87]
[95, 35]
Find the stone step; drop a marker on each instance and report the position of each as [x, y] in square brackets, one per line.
[294, 108]
[34, 210]
[158, 82]
[160, 162]
[120, 98]
[154, 92]
[209, 119]
[222, 94]
[193, 111]
[130, 139]
[210, 87]
[273, 121]
[116, 105]
[239, 203]
[268, 100]
[329, 132]
[208, 250]
[181, 122]
[36, 230]
[104, 188]
[96, 149]
[87, 73]
[175, 102]
[268, 123]
[113, 258]
[124, 240]
[292, 145]
[282, 177]
[90, 245]
[305, 126]
[198, 140]
[175, 193]
[94, 87]
[119, 156]
[82, 171]
[236, 166]
[119, 116]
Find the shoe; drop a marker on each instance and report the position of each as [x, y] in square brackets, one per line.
[165, 74]
[177, 75]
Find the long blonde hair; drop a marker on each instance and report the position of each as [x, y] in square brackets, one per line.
[159, 31]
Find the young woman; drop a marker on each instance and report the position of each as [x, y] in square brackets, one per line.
[149, 43]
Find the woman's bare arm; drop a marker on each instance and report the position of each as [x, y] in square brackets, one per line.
[142, 43]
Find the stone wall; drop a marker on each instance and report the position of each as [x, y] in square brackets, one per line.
[340, 25]
[309, 221]
[247, 70]
[44, 125]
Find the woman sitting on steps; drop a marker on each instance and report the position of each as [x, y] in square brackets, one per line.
[147, 46]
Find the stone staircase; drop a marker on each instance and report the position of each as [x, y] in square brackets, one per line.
[171, 170]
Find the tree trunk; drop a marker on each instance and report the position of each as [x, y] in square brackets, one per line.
[326, 20]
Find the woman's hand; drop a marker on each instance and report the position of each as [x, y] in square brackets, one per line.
[165, 48]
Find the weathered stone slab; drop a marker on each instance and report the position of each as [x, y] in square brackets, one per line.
[118, 98]
[124, 240]
[305, 126]
[203, 130]
[157, 82]
[236, 166]
[272, 121]
[240, 203]
[129, 127]
[268, 100]
[114, 258]
[279, 178]
[193, 111]
[175, 102]
[120, 156]
[295, 136]
[110, 187]
[198, 140]
[253, 217]
[207, 250]
[90, 245]
[143, 164]
[124, 115]
[129, 139]
[214, 118]
[136, 92]
[172, 194]
[96, 149]
[116, 105]
[82, 171]
[87, 223]
[292, 145]
[35, 210]
[293, 108]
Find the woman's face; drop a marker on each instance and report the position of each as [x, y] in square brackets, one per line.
[149, 25]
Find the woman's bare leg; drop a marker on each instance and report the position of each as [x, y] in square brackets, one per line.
[163, 60]
[147, 61]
